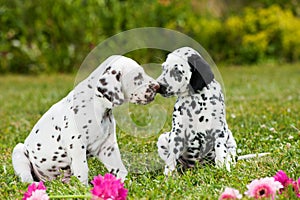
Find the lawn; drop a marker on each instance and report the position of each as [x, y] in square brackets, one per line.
[263, 112]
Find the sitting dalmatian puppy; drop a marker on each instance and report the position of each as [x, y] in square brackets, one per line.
[199, 132]
[82, 125]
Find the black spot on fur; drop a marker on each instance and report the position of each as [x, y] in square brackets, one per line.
[138, 77]
[57, 128]
[107, 69]
[103, 81]
[193, 104]
[201, 119]
[175, 151]
[221, 135]
[66, 167]
[58, 138]
[75, 110]
[118, 76]
[101, 90]
[204, 98]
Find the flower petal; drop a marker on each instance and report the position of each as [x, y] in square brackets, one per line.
[108, 187]
[264, 187]
[230, 193]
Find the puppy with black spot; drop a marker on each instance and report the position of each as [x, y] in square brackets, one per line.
[82, 125]
[200, 133]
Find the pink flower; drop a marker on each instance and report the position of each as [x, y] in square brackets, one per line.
[282, 177]
[230, 193]
[108, 187]
[36, 191]
[264, 187]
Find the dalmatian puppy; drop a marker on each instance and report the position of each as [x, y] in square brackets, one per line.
[82, 125]
[199, 131]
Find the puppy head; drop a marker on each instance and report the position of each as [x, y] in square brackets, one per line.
[184, 72]
[124, 80]
[139, 88]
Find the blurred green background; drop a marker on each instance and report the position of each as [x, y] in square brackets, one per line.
[55, 36]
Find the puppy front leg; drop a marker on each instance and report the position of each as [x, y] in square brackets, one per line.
[165, 154]
[110, 155]
[175, 150]
[231, 145]
[163, 146]
[79, 166]
[170, 164]
[222, 155]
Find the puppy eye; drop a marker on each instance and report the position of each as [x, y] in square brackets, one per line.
[177, 70]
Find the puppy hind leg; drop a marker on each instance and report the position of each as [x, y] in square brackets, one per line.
[21, 163]
[231, 145]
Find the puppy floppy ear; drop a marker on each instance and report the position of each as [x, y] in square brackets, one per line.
[109, 86]
[201, 72]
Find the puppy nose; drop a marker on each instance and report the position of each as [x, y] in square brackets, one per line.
[162, 89]
[155, 87]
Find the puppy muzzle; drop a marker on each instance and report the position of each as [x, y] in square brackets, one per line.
[162, 89]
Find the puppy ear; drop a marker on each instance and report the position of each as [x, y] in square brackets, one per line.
[109, 86]
[201, 72]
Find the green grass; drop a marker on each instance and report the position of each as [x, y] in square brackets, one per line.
[263, 112]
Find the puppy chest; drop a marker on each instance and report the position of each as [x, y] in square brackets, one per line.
[97, 136]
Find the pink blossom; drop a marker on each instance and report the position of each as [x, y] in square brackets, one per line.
[108, 187]
[230, 193]
[36, 191]
[264, 187]
[282, 177]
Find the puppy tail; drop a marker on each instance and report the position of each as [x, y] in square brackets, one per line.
[21, 163]
[249, 156]
[163, 146]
